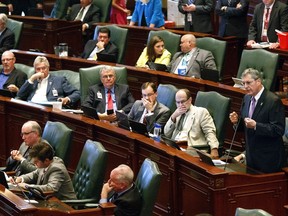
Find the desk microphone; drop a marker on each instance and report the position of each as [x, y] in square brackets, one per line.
[24, 194]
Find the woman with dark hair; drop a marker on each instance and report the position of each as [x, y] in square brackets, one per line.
[154, 52]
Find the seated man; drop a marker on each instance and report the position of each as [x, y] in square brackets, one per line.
[109, 96]
[191, 59]
[101, 45]
[7, 39]
[10, 77]
[121, 191]
[20, 160]
[148, 110]
[50, 175]
[191, 123]
[43, 87]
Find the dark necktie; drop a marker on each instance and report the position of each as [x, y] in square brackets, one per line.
[252, 107]
[110, 101]
[181, 121]
[42, 177]
[264, 38]
[114, 197]
[80, 14]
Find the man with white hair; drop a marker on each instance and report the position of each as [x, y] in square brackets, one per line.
[7, 37]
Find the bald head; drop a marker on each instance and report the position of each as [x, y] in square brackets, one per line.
[123, 174]
[188, 42]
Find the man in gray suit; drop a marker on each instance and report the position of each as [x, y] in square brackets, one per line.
[148, 110]
[191, 59]
[50, 175]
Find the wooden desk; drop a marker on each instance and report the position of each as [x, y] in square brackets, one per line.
[188, 186]
[11, 204]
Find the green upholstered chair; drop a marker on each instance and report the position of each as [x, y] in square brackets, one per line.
[16, 27]
[105, 7]
[91, 76]
[217, 48]
[59, 136]
[72, 76]
[166, 95]
[262, 60]
[218, 107]
[25, 68]
[251, 212]
[148, 182]
[171, 40]
[89, 175]
[118, 36]
[60, 8]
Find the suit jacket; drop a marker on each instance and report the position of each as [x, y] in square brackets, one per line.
[110, 48]
[152, 11]
[200, 59]
[160, 115]
[124, 98]
[128, 203]
[92, 15]
[264, 146]
[278, 20]
[201, 18]
[17, 78]
[60, 83]
[198, 128]
[7, 40]
[233, 20]
[56, 178]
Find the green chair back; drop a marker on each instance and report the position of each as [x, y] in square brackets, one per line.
[217, 48]
[104, 6]
[171, 40]
[262, 60]
[25, 68]
[218, 107]
[90, 172]
[251, 212]
[148, 182]
[72, 76]
[91, 76]
[166, 95]
[118, 36]
[60, 9]
[59, 136]
[16, 27]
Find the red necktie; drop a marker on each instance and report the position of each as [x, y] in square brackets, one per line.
[110, 101]
[266, 22]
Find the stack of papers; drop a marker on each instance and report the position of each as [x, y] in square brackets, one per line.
[260, 45]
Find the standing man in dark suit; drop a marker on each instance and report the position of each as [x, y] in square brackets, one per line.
[191, 59]
[268, 16]
[263, 118]
[197, 15]
[7, 37]
[148, 110]
[121, 191]
[43, 87]
[10, 77]
[109, 96]
[50, 175]
[101, 45]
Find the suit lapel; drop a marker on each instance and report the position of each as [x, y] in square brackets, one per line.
[49, 84]
[259, 105]
[177, 61]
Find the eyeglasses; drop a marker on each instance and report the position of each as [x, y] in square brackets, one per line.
[248, 82]
[7, 59]
[148, 95]
[26, 133]
[41, 68]
[108, 76]
[182, 102]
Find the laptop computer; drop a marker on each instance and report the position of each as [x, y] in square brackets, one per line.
[3, 180]
[90, 112]
[157, 66]
[210, 74]
[138, 127]
[7, 93]
[106, 57]
[170, 142]
[123, 121]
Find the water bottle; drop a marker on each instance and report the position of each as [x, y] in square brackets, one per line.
[63, 50]
[157, 132]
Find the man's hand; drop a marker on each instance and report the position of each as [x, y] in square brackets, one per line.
[64, 101]
[110, 118]
[100, 45]
[274, 45]
[179, 111]
[13, 88]
[250, 42]
[147, 104]
[214, 153]
[189, 8]
[16, 155]
[37, 76]
[105, 190]
[233, 117]
[250, 123]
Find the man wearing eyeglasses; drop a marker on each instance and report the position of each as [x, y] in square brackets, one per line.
[11, 78]
[19, 160]
[148, 110]
[263, 119]
[109, 96]
[192, 124]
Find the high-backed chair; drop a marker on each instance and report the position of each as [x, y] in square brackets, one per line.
[264, 61]
[104, 6]
[148, 182]
[171, 40]
[218, 107]
[217, 48]
[60, 8]
[166, 95]
[16, 27]
[59, 136]
[251, 212]
[29, 70]
[91, 76]
[118, 37]
[72, 76]
[89, 175]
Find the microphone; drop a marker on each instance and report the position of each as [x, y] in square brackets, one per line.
[24, 194]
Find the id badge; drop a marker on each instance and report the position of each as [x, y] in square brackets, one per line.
[99, 95]
[55, 92]
[189, 17]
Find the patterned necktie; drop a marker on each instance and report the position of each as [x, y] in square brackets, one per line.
[252, 107]
[264, 37]
[110, 101]
[80, 14]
